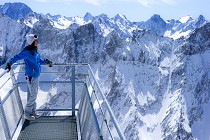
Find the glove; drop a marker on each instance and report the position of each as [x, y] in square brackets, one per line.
[8, 67]
[48, 62]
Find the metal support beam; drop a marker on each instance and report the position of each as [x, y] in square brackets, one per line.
[73, 90]
[104, 126]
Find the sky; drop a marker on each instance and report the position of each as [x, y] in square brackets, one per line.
[134, 10]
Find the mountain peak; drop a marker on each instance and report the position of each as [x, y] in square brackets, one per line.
[155, 23]
[185, 19]
[120, 18]
[15, 10]
[54, 17]
[200, 21]
[88, 17]
[104, 16]
[201, 17]
[156, 17]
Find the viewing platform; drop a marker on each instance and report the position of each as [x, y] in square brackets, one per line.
[70, 102]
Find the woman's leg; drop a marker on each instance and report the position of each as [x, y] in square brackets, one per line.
[33, 85]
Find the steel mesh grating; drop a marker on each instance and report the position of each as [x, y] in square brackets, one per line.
[50, 128]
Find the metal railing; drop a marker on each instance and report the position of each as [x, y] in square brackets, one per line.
[11, 108]
[88, 103]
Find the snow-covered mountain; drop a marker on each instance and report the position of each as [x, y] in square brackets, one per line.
[156, 81]
[170, 28]
[15, 10]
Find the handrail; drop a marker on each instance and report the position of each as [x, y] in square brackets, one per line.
[55, 64]
[86, 111]
[3, 118]
[53, 82]
[60, 109]
[8, 94]
[122, 137]
[2, 74]
[61, 64]
[5, 82]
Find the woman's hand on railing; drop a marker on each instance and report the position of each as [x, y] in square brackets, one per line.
[8, 67]
[48, 62]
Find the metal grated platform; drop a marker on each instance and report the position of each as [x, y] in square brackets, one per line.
[50, 128]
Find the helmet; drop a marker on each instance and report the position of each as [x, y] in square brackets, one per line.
[30, 38]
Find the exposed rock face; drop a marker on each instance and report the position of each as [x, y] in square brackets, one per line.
[15, 10]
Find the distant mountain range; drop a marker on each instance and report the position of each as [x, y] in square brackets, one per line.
[170, 28]
[155, 74]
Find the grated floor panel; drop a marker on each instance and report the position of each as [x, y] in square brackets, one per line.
[50, 128]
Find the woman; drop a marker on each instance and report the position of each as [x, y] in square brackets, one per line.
[32, 61]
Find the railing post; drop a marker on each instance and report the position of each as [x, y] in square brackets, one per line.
[93, 97]
[4, 122]
[17, 94]
[73, 90]
[121, 135]
[104, 126]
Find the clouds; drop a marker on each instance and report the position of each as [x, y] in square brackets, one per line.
[94, 2]
[149, 3]
[97, 3]
[45, 1]
[171, 2]
[42, 0]
[66, 1]
[146, 3]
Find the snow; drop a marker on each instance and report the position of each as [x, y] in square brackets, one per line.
[153, 120]
[105, 30]
[31, 22]
[185, 19]
[1, 50]
[128, 48]
[167, 33]
[177, 34]
[62, 23]
[164, 65]
[79, 20]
